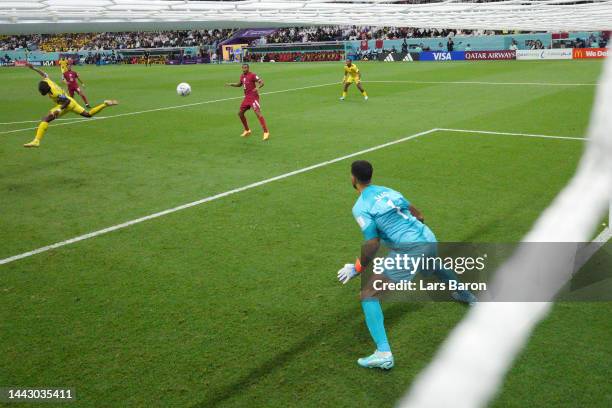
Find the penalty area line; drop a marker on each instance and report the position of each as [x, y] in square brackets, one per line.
[490, 132]
[207, 199]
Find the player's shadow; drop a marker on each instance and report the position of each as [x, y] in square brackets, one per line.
[393, 314]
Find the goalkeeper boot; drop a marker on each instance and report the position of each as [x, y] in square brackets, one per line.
[33, 143]
[246, 133]
[380, 359]
[111, 102]
[464, 296]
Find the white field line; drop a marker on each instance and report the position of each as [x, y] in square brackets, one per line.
[206, 199]
[314, 86]
[586, 252]
[479, 83]
[604, 236]
[489, 132]
[170, 107]
[261, 183]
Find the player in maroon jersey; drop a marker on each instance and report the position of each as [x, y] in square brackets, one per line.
[251, 83]
[71, 78]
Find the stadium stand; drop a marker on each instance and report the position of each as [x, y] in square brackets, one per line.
[131, 40]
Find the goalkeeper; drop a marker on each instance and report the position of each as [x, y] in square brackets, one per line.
[384, 214]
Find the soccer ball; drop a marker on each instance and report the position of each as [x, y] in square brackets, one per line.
[183, 89]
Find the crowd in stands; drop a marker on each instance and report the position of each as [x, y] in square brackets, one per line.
[17, 42]
[97, 58]
[338, 33]
[590, 42]
[131, 40]
[112, 41]
[164, 39]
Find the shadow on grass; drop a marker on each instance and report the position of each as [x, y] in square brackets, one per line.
[393, 314]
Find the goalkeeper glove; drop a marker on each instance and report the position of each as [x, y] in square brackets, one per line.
[347, 273]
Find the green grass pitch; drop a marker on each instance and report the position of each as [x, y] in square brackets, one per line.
[234, 302]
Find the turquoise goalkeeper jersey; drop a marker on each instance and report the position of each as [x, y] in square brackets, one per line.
[384, 213]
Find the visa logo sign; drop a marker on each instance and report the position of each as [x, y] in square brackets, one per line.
[442, 56]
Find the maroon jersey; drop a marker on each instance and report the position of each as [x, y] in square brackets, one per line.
[71, 79]
[248, 82]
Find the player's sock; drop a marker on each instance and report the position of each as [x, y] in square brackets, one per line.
[262, 121]
[85, 100]
[376, 323]
[344, 94]
[42, 129]
[97, 109]
[40, 132]
[243, 119]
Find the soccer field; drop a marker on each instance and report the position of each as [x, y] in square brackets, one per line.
[233, 301]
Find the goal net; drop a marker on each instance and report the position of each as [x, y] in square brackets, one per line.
[471, 364]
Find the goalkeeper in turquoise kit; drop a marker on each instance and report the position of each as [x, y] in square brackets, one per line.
[385, 215]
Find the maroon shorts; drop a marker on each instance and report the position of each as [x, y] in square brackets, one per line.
[73, 89]
[249, 102]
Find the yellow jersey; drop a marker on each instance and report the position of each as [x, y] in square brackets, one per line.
[63, 63]
[56, 94]
[351, 71]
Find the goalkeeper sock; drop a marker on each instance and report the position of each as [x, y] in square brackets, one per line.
[344, 94]
[364, 93]
[42, 129]
[376, 323]
[97, 109]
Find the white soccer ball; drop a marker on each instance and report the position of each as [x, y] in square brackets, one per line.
[183, 89]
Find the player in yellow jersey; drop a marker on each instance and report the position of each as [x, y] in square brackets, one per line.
[64, 104]
[352, 75]
[64, 63]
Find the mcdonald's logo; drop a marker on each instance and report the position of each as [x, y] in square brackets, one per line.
[579, 53]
